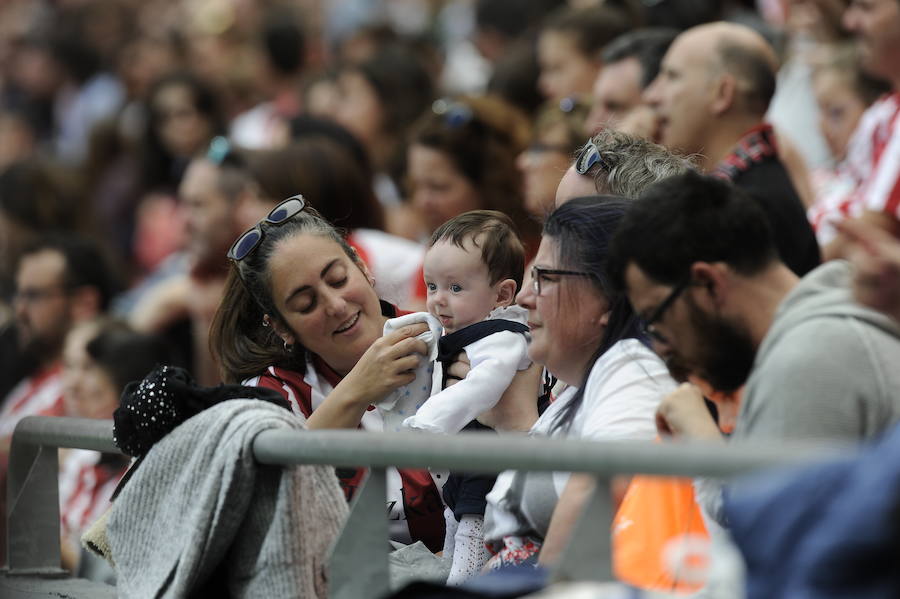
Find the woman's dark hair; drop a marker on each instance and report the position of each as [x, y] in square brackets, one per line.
[482, 136]
[405, 90]
[582, 229]
[306, 125]
[401, 82]
[159, 167]
[32, 193]
[328, 177]
[124, 354]
[238, 340]
[515, 77]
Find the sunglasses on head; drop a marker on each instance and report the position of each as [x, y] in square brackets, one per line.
[455, 114]
[588, 156]
[251, 238]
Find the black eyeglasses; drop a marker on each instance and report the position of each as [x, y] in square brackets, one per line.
[647, 326]
[537, 273]
[280, 214]
[588, 156]
[35, 295]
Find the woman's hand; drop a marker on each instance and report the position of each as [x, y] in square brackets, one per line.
[517, 408]
[390, 362]
[683, 413]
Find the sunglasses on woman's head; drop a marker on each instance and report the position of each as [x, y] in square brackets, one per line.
[588, 157]
[251, 238]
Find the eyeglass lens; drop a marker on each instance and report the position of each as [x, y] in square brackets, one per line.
[285, 210]
[246, 243]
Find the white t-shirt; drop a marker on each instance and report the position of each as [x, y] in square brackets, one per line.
[620, 399]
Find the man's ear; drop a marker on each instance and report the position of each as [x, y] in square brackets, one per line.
[286, 335]
[506, 293]
[724, 94]
[711, 282]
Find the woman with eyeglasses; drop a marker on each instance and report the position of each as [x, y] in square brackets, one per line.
[588, 336]
[300, 315]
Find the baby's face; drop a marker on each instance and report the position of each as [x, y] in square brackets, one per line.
[459, 288]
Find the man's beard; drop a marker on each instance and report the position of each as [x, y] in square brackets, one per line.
[678, 369]
[725, 354]
[38, 349]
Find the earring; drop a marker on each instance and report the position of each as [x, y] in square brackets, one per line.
[265, 322]
[288, 347]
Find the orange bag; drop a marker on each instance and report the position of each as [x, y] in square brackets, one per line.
[659, 540]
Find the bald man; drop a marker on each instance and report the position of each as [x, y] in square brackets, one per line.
[709, 99]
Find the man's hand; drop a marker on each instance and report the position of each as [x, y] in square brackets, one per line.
[683, 414]
[876, 255]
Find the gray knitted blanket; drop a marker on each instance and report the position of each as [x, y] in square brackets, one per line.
[200, 513]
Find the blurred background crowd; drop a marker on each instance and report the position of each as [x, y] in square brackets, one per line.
[402, 113]
[139, 139]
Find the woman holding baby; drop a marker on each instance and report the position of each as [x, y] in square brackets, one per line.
[300, 315]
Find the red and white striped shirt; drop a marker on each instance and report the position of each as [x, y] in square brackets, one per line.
[40, 393]
[873, 157]
[85, 487]
[872, 167]
[414, 505]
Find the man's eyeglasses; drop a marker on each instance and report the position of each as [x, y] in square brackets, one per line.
[34, 296]
[280, 214]
[648, 325]
[538, 273]
[588, 156]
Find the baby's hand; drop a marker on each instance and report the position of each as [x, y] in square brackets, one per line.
[458, 370]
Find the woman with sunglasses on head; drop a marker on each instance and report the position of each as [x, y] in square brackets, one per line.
[300, 315]
[557, 137]
[462, 156]
[588, 336]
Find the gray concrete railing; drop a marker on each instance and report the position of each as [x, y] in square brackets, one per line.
[357, 568]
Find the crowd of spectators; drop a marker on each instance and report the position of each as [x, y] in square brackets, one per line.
[705, 195]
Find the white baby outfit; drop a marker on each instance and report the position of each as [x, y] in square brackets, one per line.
[494, 360]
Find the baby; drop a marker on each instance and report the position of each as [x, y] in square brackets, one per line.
[473, 269]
